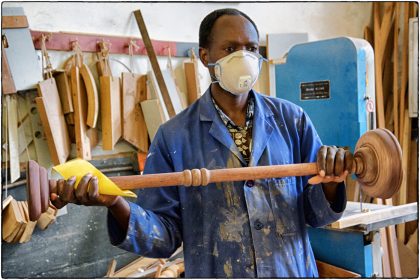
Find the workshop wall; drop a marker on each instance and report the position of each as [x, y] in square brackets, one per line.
[77, 246]
[181, 21]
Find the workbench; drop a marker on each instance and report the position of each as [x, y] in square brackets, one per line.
[353, 242]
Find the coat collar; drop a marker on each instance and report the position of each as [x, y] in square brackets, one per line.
[261, 131]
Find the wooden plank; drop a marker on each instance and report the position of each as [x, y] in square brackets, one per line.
[111, 269]
[368, 35]
[391, 243]
[413, 185]
[92, 95]
[82, 141]
[7, 83]
[193, 83]
[326, 270]
[409, 261]
[153, 116]
[405, 165]
[378, 66]
[13, 141]
[413, 242]
[386, 25]
[64, 91]
[11, 221]
[140, 263]
[404, 69]
[395, 92]
[23, 226]
[53, 121]
[134, 91]
[14, 22]
[393, 251]
[153, 61]
[375, 215]
[110, 111]
[6, 202]
[30, 226]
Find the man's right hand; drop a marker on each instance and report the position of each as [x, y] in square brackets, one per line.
[63, 192]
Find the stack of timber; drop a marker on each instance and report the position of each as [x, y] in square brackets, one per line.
[389, 39]
[144, 267]
[16, 225]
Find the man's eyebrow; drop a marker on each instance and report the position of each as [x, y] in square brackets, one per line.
[238, 42]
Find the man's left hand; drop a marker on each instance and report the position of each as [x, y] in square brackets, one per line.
[334, 164]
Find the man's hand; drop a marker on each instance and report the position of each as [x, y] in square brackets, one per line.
[334, 164]
[62, 192]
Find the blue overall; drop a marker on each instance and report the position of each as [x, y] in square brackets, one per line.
[233, 229]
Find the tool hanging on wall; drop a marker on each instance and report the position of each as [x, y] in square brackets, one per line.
[134, 91]
[79, 95]
[50, 112]
[110, 88]
[376, 164]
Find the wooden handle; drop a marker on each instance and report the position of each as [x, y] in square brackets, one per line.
[203, 176]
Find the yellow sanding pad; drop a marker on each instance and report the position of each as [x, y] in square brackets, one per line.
[79, 168]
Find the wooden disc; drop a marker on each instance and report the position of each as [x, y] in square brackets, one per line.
[33, 190]
[383, 165]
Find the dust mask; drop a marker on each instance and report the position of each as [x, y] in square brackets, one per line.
[237, 72]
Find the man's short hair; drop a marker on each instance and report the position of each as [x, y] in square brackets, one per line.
[207, 24]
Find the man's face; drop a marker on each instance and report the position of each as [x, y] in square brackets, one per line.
[229, 34]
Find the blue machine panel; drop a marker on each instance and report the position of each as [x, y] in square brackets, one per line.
[328, 79]
[344, 249]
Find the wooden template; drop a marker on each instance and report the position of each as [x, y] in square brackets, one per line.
[173, 91]
[110, 111]
[64, 90]
[52, 117]
[92, 95]
[134, 91]
[153, 116]
[79, 103]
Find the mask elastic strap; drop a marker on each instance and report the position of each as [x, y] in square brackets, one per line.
[214, 80]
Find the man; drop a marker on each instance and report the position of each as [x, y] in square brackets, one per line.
[231, 229]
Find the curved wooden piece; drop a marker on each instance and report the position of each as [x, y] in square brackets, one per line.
[92, 95]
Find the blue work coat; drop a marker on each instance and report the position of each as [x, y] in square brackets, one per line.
[232, 229]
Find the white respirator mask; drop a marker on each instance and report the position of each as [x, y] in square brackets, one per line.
[237, 73]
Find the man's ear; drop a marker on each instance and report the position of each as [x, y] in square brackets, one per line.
[204, 56]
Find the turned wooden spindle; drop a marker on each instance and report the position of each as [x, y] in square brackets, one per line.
[376, 164]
